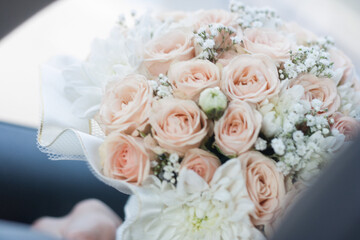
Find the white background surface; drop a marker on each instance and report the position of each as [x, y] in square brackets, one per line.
[68, 27]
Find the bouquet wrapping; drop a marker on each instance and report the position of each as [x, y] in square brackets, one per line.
[214, 121]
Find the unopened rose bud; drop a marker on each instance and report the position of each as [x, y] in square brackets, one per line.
[213, 102]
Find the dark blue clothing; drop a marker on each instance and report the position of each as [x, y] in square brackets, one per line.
[32, 186]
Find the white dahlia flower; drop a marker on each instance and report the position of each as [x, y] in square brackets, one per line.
[193, 210]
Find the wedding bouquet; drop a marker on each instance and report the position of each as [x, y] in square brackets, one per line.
[214, 121]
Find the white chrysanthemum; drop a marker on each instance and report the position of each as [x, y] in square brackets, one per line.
[283, 109]
[193, 210]
[110, 59]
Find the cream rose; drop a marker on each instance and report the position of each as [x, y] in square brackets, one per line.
[124, 158]
[160, 52]
[323, 89]
[178, 125]
[238, 129]
[342, 63]
[251, 78]
[126, 105]
[269, 42]
[265, 185]
[189, 78]
[204, 18]
[201, 162]
[346, 125]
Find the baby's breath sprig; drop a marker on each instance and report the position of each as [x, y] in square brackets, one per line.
[162, 87]
[314, 59]
[250, 17]
[295, 147]
[214, 41]
[167, 167]
[324, 43]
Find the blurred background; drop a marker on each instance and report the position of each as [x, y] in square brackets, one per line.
[31, 32]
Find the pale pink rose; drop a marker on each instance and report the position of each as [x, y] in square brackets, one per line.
[343, 63]
[178, 125]
[237, 130]
[160, 52]
[190, 78]
[302, 35]
[201, 162]
[207, 17]
[323, 89]
[250, 78]
[269, 42]
[124, 158]
[346, 125]
[265, 185]
[225, 58]
[126, 105]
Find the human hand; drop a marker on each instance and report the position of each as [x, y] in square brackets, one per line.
[89, 220]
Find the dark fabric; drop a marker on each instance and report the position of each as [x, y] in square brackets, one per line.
[330, 209]
[32, 186]
[14, 12]
[15, 231]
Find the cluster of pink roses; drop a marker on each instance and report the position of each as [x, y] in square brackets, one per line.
[139, 126]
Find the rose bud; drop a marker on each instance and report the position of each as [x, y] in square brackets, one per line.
[213, 102]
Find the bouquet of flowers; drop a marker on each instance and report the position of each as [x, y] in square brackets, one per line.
[214, 121]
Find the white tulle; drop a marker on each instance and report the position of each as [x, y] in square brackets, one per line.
[62, 134]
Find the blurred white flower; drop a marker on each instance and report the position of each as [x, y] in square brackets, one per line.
[110, 60]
